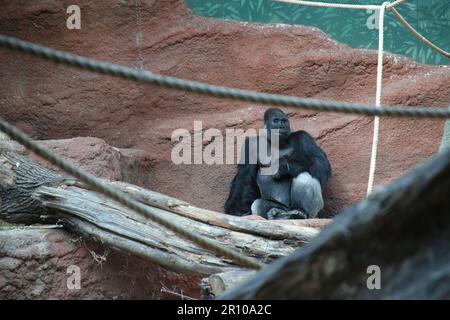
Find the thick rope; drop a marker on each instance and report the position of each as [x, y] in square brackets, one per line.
[123, 199]
[143, 76]
[197, 87]
[332, 5]
[382, 9]
[418, 35]
[391, 6]
[376, 123]
[342, 5]
[394, 4]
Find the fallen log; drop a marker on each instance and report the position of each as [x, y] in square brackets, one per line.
[216, 284]
[399, 236]
[272, 230]
[30, 193]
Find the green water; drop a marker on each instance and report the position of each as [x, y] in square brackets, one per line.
[356, 28]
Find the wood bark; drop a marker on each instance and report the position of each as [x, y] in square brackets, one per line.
[8, 145]
[30, 193]
[216, 284]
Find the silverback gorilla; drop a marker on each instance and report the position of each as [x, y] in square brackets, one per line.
[294, 190]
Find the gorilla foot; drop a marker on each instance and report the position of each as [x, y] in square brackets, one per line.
[296, 214]
[274, 213]
[280, 214]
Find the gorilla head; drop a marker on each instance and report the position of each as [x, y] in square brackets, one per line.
[276, 119]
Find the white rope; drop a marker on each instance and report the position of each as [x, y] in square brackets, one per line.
[394, 4]
[342, 5]
[332, 5]
[418, 35]
[376, 124]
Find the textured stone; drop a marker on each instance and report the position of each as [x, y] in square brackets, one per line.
[57, 102]
[54, 102]
[8, 263]
[93, 155]
[28, 274]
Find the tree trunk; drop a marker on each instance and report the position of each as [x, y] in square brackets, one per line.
[32, 194]
[218, 283]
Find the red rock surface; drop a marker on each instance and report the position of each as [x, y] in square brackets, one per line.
[34, 264]
[93, 155]
[57, 102]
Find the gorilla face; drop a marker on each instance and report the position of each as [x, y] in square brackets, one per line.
[277, 119]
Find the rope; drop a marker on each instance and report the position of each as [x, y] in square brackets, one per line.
[217, 91]
[342, 5]
[332, 5]
[143, 76]
[123, 199]
[391, 6]
[382, 9]
[394, 4]
[418, 35]
[376, 123]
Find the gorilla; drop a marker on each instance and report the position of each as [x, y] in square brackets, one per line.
[294, 190]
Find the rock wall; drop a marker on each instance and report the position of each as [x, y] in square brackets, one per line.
[35, 264]
[56, 102]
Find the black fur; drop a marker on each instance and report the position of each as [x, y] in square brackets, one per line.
[244, 189]
[306, 156]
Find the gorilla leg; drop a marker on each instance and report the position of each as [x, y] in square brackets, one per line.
[266, 208]
[275, 211]
[306, 195]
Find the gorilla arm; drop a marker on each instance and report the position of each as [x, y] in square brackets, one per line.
[320, 167]
[244, 188]
[306, 156]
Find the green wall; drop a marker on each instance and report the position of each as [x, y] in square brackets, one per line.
[356, 28]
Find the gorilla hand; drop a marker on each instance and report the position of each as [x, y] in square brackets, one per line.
[283, 169]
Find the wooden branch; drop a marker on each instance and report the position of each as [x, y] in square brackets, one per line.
[32, 193]
[216, 284]
[404, 229]
[19, 178]
[8, 145]
[302, 231]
